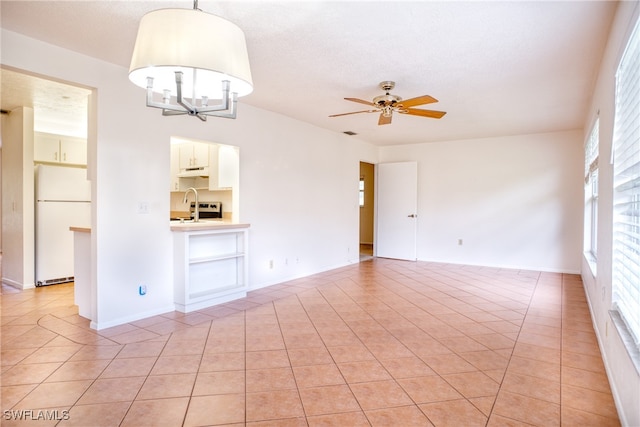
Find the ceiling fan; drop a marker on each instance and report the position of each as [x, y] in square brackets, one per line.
[387, 104]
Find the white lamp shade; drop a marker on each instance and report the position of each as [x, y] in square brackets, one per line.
[206, 48]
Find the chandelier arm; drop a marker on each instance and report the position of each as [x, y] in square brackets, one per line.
[230, 115]
[152, 103]
[226, 96]
[227, 109]
[167, 112]
[191, 110]
[218, 111]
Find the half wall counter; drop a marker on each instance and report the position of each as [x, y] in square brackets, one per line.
[84, 293]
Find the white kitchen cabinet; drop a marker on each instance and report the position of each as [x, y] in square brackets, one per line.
[193, 155]
[179, 184]
[73, 150]
[224, 167]
[210, 266]
[50, 148]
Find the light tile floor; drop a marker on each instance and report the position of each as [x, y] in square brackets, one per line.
[382, 343]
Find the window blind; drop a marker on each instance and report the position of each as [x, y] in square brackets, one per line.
[626, 197]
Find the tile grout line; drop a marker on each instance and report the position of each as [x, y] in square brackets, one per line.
[533, 292]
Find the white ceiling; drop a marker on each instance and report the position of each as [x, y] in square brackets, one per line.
[497, 68]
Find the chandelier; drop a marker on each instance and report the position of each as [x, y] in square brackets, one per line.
[191, 62]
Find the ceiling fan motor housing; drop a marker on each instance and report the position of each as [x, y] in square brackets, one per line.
[386, 100]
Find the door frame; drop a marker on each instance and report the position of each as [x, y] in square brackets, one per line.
[370, 192]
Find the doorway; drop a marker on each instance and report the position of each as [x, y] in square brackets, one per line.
[48, 122]
[367, 203]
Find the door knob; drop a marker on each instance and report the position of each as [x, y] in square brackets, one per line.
[412, 216]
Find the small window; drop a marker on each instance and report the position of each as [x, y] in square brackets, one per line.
[361, 191]
[591, 195]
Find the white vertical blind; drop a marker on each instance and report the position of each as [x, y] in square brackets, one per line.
[626, 197]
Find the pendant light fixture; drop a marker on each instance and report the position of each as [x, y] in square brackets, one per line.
[185, 58]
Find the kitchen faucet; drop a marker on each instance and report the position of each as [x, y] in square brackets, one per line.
[196, 212]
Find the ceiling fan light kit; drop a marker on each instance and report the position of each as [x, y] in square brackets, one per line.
[387, 104]
[190, 57]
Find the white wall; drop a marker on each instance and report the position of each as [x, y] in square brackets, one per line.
[624, 379]
[18, 264]
[516, 201]
[299, 185]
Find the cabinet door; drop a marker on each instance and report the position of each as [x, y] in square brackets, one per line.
[228, 166]
[186, 155]
[200, 155]
[73, 150]
[46, 148]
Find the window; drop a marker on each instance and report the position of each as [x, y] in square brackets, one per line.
[362, 191]
[591, 194]
[626, 183]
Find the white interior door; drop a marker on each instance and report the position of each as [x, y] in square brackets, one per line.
[397, 200]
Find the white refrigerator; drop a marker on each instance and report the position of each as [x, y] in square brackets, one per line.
[63, 200]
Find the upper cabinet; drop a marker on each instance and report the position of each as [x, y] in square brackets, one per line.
[50, 148]
[224, 166]
[193, 155]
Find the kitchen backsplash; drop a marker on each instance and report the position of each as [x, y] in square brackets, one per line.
[223, 196]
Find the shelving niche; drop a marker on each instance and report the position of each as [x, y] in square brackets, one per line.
[210, 267]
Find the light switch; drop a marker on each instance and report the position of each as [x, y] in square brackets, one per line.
[143, 208]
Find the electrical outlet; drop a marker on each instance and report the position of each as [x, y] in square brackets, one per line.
[271, 264]
[459, 242]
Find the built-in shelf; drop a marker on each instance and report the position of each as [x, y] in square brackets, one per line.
[215, 258]
[210, 267]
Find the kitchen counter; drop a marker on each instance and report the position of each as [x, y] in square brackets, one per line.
[204, 224]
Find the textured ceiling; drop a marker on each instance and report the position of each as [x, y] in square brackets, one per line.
[497, 68]
[58, 107]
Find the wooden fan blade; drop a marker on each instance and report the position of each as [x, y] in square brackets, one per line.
[354, 112]
[424, 113]
[384, 120]
[420, 100]
[361, 101]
